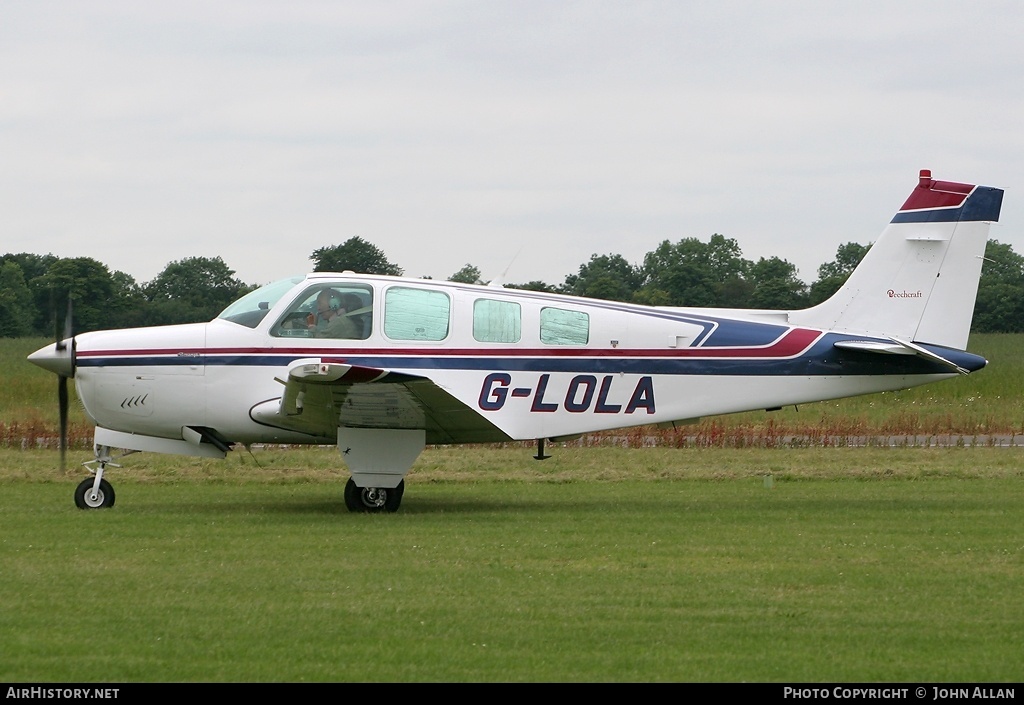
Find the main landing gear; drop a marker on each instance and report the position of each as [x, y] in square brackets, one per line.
[95, 492]
[373, 499]
[376, 458]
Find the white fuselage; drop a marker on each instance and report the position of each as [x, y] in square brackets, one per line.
[637, 365]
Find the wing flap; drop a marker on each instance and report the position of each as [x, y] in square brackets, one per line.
[321, 395]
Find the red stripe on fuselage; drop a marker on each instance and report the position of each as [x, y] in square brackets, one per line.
[792, 343]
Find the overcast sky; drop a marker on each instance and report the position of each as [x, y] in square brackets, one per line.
[520, 137]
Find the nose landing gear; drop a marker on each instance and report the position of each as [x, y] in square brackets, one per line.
[92, 495]
[95, 492]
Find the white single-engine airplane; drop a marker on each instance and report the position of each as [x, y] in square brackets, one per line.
[425, 361]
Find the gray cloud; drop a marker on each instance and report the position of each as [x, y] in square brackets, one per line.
[526, 133]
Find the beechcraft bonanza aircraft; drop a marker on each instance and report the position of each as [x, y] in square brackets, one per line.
[424, 361]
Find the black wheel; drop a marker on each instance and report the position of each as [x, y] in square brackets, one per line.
[84, 498]
[373, 499]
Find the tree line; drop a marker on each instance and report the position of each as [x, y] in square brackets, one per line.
[35, 289]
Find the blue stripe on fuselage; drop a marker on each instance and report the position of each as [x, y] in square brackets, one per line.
[823, 359]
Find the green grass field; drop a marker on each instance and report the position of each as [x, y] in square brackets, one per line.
[600, 564]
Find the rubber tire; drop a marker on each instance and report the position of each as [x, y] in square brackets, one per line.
[105, 500]
[372, 500]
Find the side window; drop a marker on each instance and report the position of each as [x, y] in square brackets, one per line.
[561, 327]
[416, 314]
[335, 310]
[496, 321]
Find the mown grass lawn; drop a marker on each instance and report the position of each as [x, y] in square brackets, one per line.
[856, 565]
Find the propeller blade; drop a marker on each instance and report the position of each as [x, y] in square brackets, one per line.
[56, 324]
[68, 329]
[62, 381]
[62, 399]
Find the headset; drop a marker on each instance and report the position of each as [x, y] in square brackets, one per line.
[333, 301]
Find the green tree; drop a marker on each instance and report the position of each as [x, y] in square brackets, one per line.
[608, 277]
[1000, 304]
[192, 290]
[34, 269]
[17, 309]
[129, 303]
[356, 255]
[1002, 264]
[32, 266]
[776, 285]
[834, 274]
[467, 275]
[695, 273]
[90, 286]
[534, 285]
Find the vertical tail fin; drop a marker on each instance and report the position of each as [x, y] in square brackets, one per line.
[920, 278]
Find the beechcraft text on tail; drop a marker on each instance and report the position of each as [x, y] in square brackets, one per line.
[382, 366]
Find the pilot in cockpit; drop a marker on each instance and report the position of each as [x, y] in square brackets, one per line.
[333, 317]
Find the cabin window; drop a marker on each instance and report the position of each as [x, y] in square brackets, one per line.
[496, 321]
[561, 327]
[329, 310]
[416, 314]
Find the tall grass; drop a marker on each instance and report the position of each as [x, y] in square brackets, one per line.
[29, 415]
[985, 402]
[30, 393]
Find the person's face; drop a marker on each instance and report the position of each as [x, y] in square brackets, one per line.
[323, 305]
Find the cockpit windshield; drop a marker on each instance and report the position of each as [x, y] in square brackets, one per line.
[253, 307]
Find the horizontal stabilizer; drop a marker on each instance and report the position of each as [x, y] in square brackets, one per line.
[895, 346]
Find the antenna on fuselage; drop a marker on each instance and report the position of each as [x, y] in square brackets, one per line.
[500, 281]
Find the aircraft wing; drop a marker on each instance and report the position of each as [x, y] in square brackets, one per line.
[319, 396]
